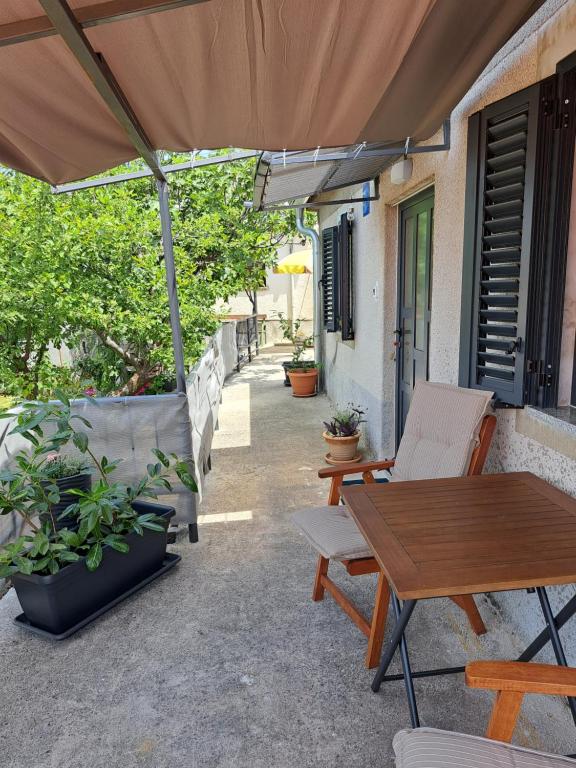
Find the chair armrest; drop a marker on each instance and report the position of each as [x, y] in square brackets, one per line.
[352, 469]
[521, 677]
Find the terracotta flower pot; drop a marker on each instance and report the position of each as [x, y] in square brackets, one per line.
[303, 381]
[342, 449]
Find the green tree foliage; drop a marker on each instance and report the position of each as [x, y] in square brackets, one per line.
[88, 266]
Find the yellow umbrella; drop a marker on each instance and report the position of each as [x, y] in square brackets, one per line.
[299, 263]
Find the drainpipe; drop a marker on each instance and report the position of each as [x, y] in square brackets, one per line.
[317, 269]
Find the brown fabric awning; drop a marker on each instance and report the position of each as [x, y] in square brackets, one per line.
[257, 74]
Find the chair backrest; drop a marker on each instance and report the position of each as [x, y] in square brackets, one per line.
[441, 432]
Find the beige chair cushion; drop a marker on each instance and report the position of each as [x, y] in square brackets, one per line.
[431, 748]
[332, 532]
[441, 431]
[440, 434]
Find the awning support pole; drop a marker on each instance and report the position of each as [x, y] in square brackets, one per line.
[67, 26]
[168, 247]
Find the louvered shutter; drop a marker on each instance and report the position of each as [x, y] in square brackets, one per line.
[330, 281]
[500, 248]
[346, 270]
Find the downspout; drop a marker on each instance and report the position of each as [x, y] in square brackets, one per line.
[317, 276]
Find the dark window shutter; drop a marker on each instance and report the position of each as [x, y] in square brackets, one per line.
[330, 282]
[504, 244]
[346, 269]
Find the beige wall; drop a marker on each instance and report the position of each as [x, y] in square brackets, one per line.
[293, 295]
[531, 55]
[368, 368]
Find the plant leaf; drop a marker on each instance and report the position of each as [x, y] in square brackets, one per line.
[94, 556]
[186, 477]
[69, 557]
[70, 538]
[162, 458]
[24, 565]
[119, 545]
[80, 440]
[62, 396]
[152, 526]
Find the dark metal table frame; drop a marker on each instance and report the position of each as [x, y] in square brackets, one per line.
[403, 613]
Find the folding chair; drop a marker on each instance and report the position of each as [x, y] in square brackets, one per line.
[447, 433]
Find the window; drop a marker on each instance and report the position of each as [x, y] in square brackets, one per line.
[330, 278]
[338, 278]
[519, 176]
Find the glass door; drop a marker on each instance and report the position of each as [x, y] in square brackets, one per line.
[414, 300]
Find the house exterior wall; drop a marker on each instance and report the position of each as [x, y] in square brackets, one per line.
[364, 371]
[292, 295]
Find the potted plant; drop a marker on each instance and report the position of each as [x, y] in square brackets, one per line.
[64, 577]
[304, 380]
[342, 435]
[292, 332]
[69, 474]
[302, 374]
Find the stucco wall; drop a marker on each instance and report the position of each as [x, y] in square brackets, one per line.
[353, 369]
[368, 370]
[293, 295]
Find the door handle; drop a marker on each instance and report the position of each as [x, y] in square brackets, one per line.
[514, 345]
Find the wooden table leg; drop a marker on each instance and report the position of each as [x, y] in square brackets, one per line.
[378, 623]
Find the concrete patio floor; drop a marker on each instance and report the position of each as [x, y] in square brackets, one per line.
[226, 662]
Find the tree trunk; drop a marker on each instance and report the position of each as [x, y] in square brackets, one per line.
[143, 374]
[36, 370]
[136, 384]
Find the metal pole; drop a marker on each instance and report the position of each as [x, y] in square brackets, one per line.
[394, 642]
[92, 15]
[317, 277]
[408, 683]
[168, 247]
[555, 639]
[544, 637]
[94, 65]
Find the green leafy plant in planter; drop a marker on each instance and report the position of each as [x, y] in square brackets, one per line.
[301, 374]
[292, 332]
[104, 514]
[70, 474]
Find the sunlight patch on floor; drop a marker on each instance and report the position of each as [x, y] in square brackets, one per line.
[234, 429]
[225, 517]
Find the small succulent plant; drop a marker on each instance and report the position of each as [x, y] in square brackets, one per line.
[345, 422]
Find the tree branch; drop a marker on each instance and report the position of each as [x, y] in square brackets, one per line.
[125, 354]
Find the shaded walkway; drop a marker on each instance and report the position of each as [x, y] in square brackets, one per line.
[227, 663]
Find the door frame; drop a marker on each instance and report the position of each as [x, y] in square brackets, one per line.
[418, 197]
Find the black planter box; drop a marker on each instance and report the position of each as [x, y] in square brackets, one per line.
[57, 602]
[287, 365]
[82, 482]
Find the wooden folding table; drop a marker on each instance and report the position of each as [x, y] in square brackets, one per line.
[466, 535]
